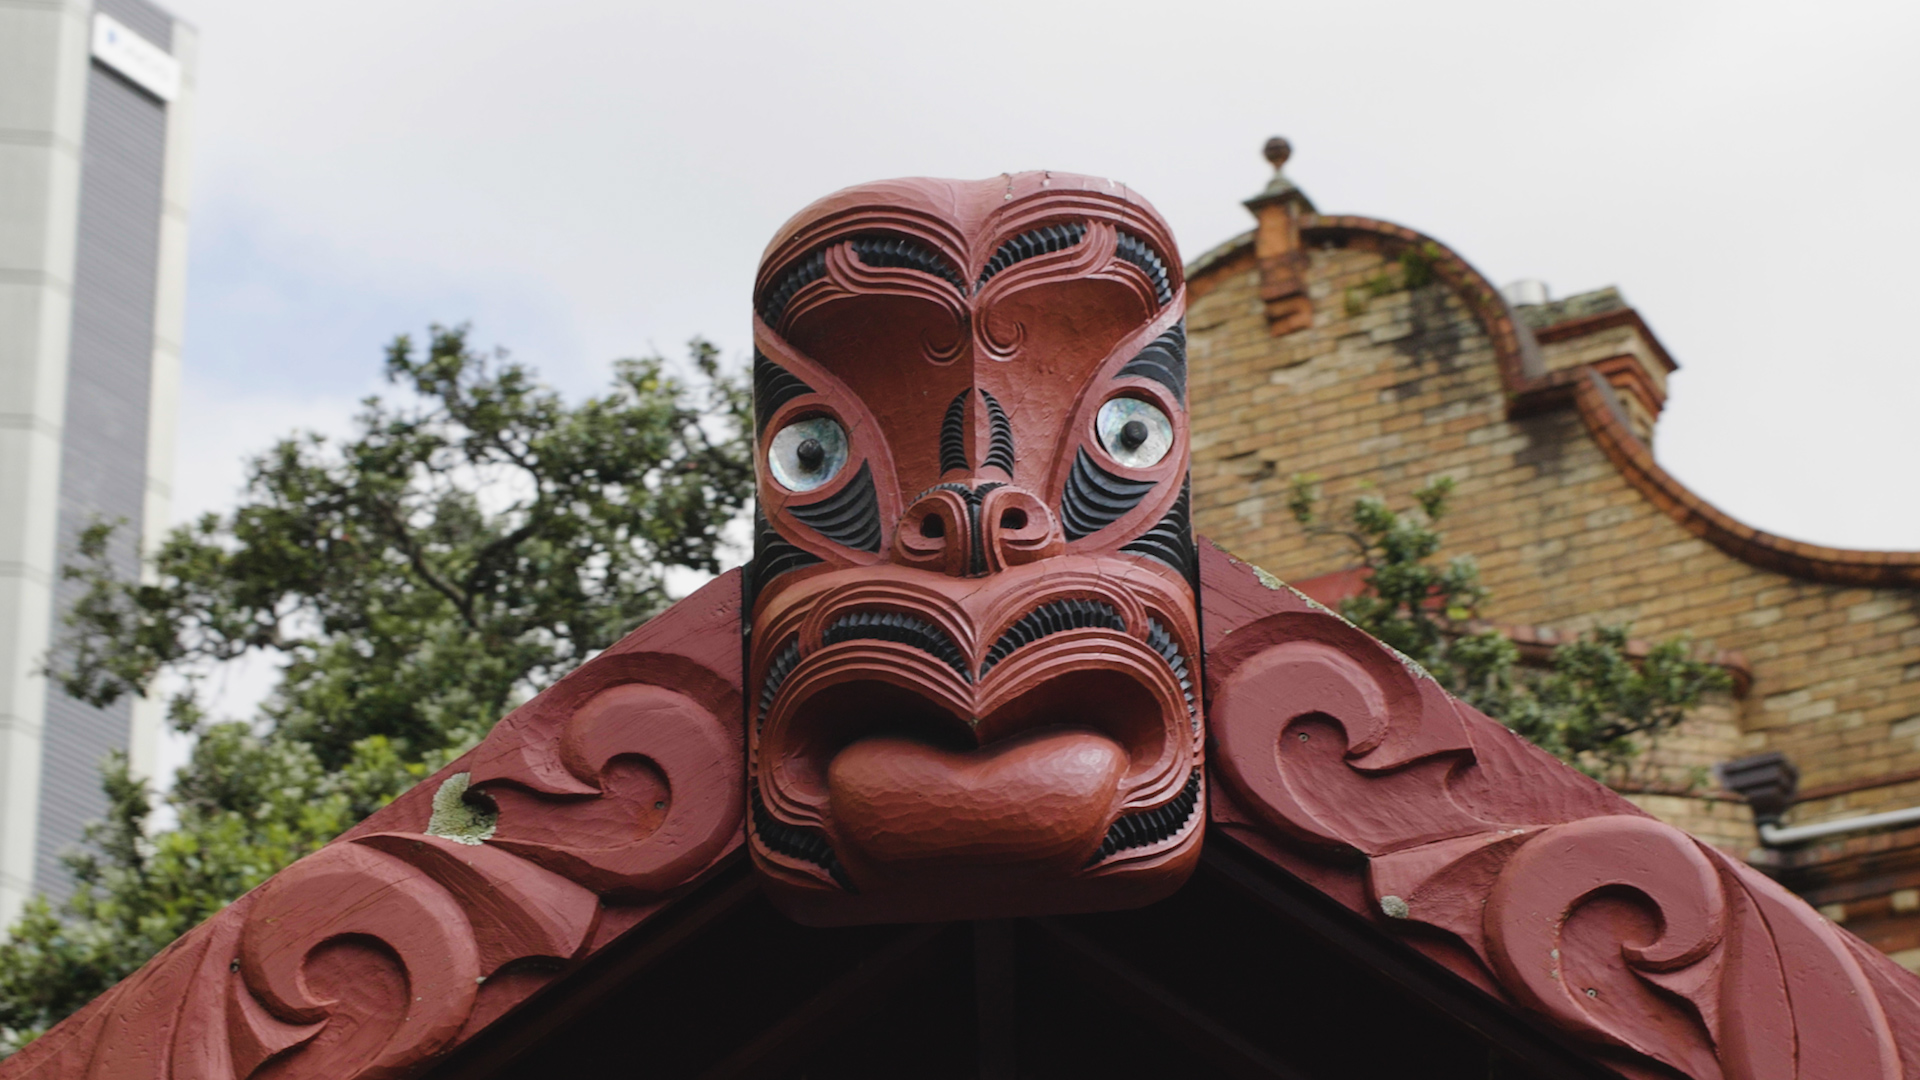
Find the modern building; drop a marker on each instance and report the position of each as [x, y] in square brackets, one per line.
[1374, 358]
[95, 105]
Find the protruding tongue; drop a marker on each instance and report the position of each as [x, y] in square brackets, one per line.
[1040, 798]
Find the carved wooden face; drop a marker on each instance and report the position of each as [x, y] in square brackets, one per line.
[972, 687]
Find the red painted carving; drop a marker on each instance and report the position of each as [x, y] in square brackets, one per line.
[1626, 933]
[971, 628]
[382, 951]
[972, 650]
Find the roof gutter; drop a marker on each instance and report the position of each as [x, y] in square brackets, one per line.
[1775, 836]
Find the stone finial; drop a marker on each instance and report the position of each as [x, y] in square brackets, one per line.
[1279, 189]
[1276, 244]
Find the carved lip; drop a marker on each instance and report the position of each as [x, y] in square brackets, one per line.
[950, 679]
[1090, 678]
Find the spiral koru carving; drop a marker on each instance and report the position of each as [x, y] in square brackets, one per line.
[1622, 931]
[374, 955]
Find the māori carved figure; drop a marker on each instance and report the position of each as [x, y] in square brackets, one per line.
[973, 631]
[972, 688]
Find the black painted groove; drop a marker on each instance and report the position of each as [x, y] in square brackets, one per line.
[1141, 254]
[901, 629]
[1051, 618]
[1096, 498]
[1000, 442]
[773, 386]
[892, 249]
[803, 272]
[977, 552]
[796, 841]
[1147, 827]
[850, 516]
[772, 556]
[1162, 641]
[1164, 361]
[1171, 538]
[781, 666]
[953, 436]
[1047, 238]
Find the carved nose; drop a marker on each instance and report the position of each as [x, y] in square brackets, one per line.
[967, 531]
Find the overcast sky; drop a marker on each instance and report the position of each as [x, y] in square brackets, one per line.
[585, 179]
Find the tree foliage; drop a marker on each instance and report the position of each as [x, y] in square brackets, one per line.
[1594, 706]
[474, 539]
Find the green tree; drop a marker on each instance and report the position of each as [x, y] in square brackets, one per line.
[1594, 706]
[470, 542]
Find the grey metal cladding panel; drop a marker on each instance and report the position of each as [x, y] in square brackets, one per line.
[142, 18]
[103, 457]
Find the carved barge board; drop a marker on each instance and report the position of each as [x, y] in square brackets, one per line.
[990, 676]
[614, 791]
[1416, 813]
[1344, 764]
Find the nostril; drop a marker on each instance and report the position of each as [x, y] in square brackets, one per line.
[932, 527]
[1013, 518]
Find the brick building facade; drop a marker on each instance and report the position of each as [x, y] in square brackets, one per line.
[1374, 358]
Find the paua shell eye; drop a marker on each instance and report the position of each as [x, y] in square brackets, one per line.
[1134, 432]
[807, 453]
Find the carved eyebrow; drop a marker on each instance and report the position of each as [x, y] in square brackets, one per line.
[1041, 241]
[893, 249]
[872, 249]
[803, 272]
[1141, 254]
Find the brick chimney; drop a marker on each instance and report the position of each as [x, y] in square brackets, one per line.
[1276, 246]
[1599, 330]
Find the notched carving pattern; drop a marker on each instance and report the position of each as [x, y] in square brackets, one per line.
[850, 516]
[902, 630]
[773, 386]
[1041, 241]
[1141, 254]
[894, 250]
[1096, 498]
[797, 842]
[1000, 441]
[805, 271]
[953, 436]
[1148, 827]
[1163, 642]
[1164, 360]
[1054, 618]
[778, 668]
[773, 555]
[1171, 538]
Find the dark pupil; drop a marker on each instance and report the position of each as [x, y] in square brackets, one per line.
[1132, 434]
[810, 454]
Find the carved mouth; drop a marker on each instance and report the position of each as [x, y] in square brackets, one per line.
[904, 736]
[877, 748]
